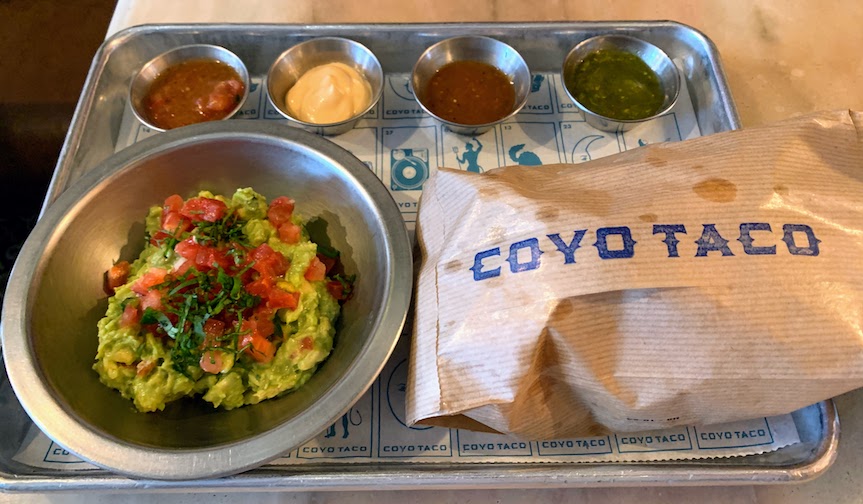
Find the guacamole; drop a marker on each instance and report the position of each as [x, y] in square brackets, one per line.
[230, 301]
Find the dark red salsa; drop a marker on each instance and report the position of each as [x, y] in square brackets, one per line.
[469, 92]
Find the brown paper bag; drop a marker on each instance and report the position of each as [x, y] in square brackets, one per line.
[699, 282]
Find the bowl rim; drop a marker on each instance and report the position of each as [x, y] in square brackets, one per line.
[376, 93]
[611, 36]
[47, 409]
[516, 108]
[243, 71]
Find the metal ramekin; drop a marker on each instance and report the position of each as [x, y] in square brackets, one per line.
[145, 77]
[473, 48]
[654, 57]
[287, 69]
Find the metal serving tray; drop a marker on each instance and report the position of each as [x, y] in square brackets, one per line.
[93, 137]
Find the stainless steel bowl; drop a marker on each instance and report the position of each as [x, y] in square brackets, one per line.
[654, 57]
[145, 77]
[299, 59]
[471, 48]
[54, 298]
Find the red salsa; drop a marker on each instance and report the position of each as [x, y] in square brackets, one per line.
[192, 92]
[469, 92]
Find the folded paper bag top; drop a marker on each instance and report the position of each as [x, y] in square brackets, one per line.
[697, 282]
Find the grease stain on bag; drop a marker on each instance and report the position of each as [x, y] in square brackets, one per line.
[716, 190]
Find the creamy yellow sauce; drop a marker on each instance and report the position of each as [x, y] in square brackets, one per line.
[329, 93]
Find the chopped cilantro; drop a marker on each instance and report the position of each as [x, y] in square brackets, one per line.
[328, 251]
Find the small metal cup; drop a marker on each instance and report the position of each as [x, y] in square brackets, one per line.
[144, 78]
[472, 48]
[654, 57]
[299, 59]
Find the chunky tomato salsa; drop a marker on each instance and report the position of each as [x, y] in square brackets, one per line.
[230, 301]
[191, 92]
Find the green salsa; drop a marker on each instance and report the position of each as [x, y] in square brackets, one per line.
[616, 84]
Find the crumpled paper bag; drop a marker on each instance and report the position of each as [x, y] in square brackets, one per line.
[698, 282]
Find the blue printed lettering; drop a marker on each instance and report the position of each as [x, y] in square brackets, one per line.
[750, 433]
[514, 265]
[512, 446]
[711, 241]
[715, 436]
[568, 251]
[400, 448]
[403, 111]
[352, 449]
[601, 244]
[478, 273]
[670, 240]
[746, 238]
[788, 238]
[525, 255]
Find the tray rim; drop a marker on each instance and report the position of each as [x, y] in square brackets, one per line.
[405, 475]
[392, 476]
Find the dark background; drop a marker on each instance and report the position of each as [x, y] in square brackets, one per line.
[45, 52]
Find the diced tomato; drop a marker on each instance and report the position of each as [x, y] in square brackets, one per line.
[316, 271]
[280, 211]
[187, 248]
[213, 330]
[220, 102]
[289, 233]
[173, 203]
[268, 262]
[153, 276]
[224, 96]
[131, 316]
[261, 286]
[202, 256]
[170, 220]
[211, 362]
[336, 290]
[174, 223]
[152, 299]
[211, 258]
[203, 209]
[230, 86]
[329, 262]
[263, 319]
[258, 348]
[116, 276]
[307, 343]
[181, 267]
[145, 367]
[158, 237]
[254, 343]
[278, 298]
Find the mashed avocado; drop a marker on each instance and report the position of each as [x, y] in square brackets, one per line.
[229, 301]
